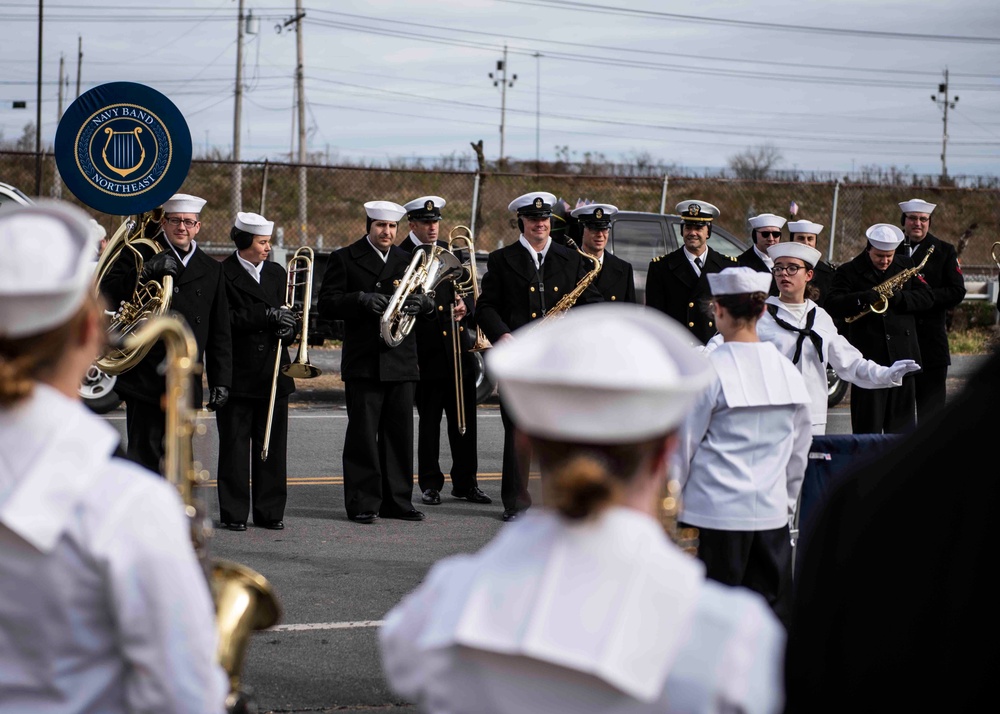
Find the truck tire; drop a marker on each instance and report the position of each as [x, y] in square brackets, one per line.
[836, 388]
[97, 390]
[484, 386]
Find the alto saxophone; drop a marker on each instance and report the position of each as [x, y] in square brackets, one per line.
[569, 299]
[244, 600]
[890, 287]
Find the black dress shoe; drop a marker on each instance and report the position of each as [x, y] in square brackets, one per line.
[235, 526]
[511, 515]
[431, 497]
[272, 525]
[474, 494]
[366, 517]
[410, 515]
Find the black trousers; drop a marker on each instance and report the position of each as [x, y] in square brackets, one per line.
[930, 387]
[378, 447]
[434, 396]
[245, 479]
[884, 411]
[759, 560]
[516, 467]
[145, 424]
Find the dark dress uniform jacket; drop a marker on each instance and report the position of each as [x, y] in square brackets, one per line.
[944, 277]
[254, 343]
[200, 297]
[887, 337]
[674, 288]
[511, 296]
[351, 271]
[822, 280]
[616, 281]
[750, 259]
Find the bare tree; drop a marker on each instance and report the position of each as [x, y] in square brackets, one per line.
[756, 162]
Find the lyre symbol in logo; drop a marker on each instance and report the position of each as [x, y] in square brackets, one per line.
[123, 150]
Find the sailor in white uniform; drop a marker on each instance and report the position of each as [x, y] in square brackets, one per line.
[103, 604]
[806, 334]
[744, 447]
[585, 605]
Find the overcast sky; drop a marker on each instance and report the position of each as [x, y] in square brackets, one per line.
[850, 87]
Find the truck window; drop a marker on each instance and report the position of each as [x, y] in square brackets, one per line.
[638, 242]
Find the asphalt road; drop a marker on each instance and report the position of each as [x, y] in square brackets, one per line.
[336, 579]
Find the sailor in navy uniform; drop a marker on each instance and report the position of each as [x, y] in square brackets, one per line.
[616, 281]
[677, 283]
[807, 233]
[765, 231]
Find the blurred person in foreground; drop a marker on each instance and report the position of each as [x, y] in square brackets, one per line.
[103, 604]
[895, 602]
[585, 605]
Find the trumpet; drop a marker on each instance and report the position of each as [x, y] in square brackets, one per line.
[299, 275]
[244, 600]
[427, 269]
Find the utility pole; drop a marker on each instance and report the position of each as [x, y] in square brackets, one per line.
[237, 189]
[57, 179]
[38, 108]
[538, 107]
[945, 104]
[501, 80]
[300, 93]
[79, 62]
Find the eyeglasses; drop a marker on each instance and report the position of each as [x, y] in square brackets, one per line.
[188, 223]
[919, 219]
[769, 234]
[790, 269]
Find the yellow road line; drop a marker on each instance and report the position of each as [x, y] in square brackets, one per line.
[339, 480]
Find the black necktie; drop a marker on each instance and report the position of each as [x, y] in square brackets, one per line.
[804, 332]
[697, 261]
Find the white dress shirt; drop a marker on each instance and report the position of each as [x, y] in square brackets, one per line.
[535, 254]
[103, 605]
[846, 360]
[253, 270]
[743, 448]
[604, 615]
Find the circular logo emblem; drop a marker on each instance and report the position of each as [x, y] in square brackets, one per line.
[539, 202]
[598, 213]
[123, 148]
[429, 206]
[694, 209]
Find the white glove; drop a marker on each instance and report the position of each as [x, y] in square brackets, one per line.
[901, 368]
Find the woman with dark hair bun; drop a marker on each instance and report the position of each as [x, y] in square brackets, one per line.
[585, 605]
[744, 447]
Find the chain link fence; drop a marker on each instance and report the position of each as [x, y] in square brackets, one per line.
[321, 206]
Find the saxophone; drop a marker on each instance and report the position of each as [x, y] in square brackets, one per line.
[569, 299]
[244, 600]
[890, 287]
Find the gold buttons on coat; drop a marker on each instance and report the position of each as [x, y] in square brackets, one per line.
[532, 288]
[440, 308]
[613, 298]
[534, 314]
[690, 304]
[555, 289]
[690, 324]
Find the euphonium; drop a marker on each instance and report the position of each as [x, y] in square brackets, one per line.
[890, 287]
[244, 600]
[428, 268]
[569, 299]
[468, 284]
[149, 299]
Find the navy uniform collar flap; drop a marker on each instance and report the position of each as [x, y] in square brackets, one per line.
[240, 278]
[364, 256]
[195, 269]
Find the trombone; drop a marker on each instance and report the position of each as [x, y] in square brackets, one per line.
[994, 254]
[300, 275]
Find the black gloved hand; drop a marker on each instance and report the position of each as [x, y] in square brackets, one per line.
[285, 334]
[374, 302]
[896, 300]
[164, 263]
[218, 396]
[870, 297]
[280, 319]
[417, 304]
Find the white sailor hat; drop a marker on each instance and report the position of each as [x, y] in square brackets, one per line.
[183, 203]
[648, 378]
[739, 280]
[885, 236]
[254, 223]
[537, 204]
[804, 227]
[766, 220]
[97, 231]
[807, 254]
[695, 211]
[425, 208]
[595, 214]
[915, 205]
[46, 296]
[384, 211]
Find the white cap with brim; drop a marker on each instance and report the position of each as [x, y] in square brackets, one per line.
[647, 377]
[254, 223]
[738, 281]
[536, 203]
[46, 295]
[766, 220]
[916, 205]
[885, 236]
[384, 211]
[809, 255]
[184, 203]
[695, 211]
[804, 227]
